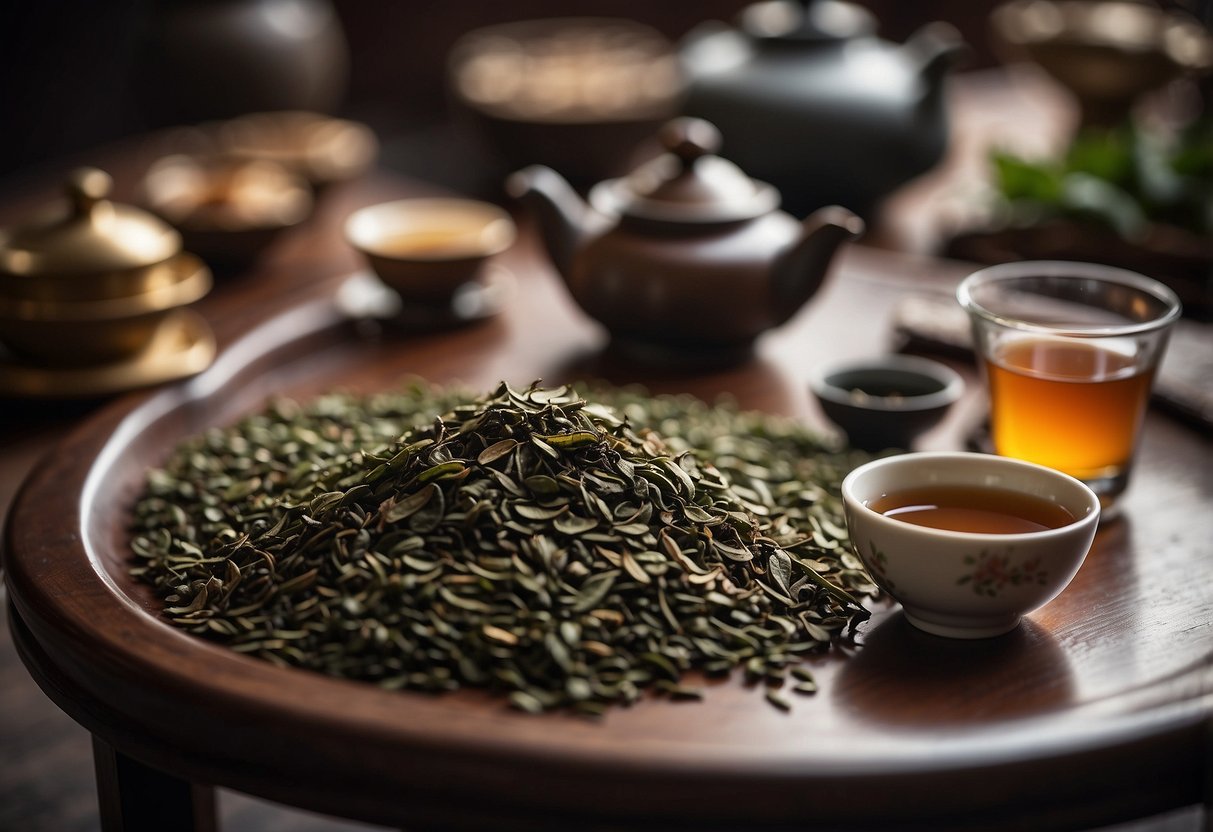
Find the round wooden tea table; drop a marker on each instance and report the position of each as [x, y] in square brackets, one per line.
[1097, 709]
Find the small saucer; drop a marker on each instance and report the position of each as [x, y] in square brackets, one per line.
[182, 346]
[366, 297]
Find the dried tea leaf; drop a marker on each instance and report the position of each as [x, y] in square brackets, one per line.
[496, 451]
[779, 567]
[409, 505]
[572, 524]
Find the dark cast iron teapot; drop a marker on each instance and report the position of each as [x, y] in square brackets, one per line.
[812, 101]
[686, 256]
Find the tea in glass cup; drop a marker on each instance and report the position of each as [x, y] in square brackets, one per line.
[1069, 352]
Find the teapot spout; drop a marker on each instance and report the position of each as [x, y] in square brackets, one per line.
[799, 272]
[563, 216]
[935, 48]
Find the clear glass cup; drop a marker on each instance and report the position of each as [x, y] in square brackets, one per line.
[1069, 352]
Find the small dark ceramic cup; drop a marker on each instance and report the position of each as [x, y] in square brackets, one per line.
[886, 402]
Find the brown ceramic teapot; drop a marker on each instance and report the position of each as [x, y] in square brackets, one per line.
[686, 254]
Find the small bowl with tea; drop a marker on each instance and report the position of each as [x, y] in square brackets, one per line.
[968, 543]
[430, 250]
[227, 210]
[886, 402]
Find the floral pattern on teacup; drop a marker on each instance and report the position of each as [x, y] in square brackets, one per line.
[877, 566]
[993, 572]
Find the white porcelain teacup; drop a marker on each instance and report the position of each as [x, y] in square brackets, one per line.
[966, 584]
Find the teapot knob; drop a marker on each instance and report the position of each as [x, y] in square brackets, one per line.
[86, 187]
[690, 138]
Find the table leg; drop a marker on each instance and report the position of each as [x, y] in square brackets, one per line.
[1208, 807]
[135, 798]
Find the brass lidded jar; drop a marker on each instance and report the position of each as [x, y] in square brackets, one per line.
[92, 284]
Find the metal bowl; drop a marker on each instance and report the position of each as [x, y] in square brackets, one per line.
[1108, 53]
[580, 95]
[320, 148]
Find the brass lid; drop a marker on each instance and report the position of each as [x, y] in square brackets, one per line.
[688, 183]
[94, 236]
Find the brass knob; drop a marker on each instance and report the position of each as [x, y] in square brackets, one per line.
[86, 187]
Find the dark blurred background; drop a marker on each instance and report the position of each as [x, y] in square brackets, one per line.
[77, 74]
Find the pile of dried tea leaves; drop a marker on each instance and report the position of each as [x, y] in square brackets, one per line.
[563, 552]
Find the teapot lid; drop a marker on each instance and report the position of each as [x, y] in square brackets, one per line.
[95, 236]
[688, 183]
[811, 21]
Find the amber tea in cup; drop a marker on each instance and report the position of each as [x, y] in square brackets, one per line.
[975, 510]
[1069, 352]
[434, 242]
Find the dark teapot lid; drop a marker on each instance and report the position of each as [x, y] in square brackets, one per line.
[688, 184]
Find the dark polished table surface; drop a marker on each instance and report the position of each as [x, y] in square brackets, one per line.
[1096, 710]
